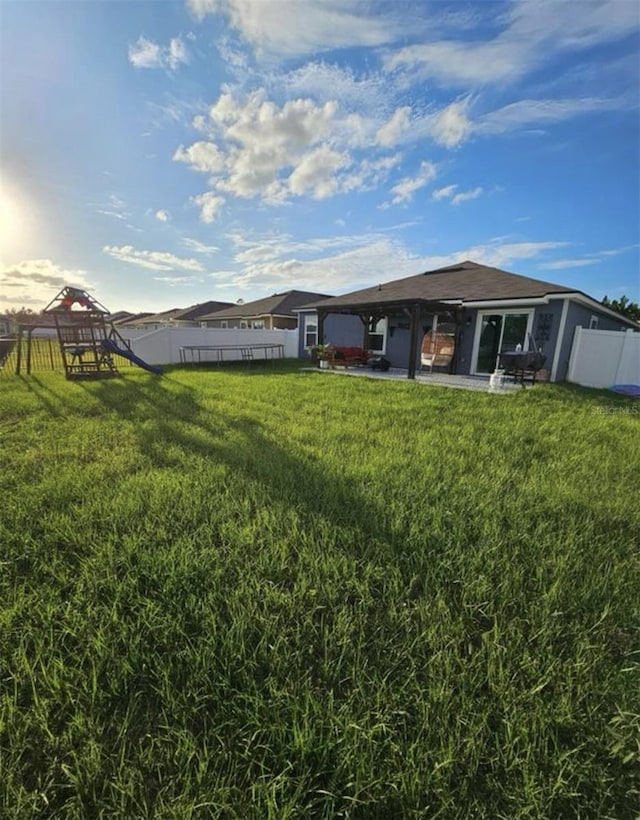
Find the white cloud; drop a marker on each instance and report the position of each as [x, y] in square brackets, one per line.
[369, 91]
[270, 151]
[561, 264]
[199, 247]
[35, 282]
[391, 132]
[315, 173]
[178, 280]
[285, 28]
[201, 156]
[345, 270]
[163, 216]
[114, 207]
[154, 260]
[209, 205]
[530, 33]
[177, 53]
[593, 258]
[501, 254]
[340, 264]
[534, 112]
[370, 173]
[466, 196]
[450, 126]
[405, 189]
[146, 53]
[444, 193]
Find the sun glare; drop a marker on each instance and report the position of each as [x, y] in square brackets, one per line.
[13, 218]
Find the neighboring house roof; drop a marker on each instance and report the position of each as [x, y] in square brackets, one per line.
[465, 282]
[130, 320]
[280, 304]
[198, 311]
[188, 314]
[119, 316]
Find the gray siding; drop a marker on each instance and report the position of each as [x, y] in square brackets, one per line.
[338, 330]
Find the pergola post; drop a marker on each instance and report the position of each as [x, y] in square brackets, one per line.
[366, 327]
[413, 341]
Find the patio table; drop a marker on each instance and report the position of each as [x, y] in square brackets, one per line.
[521, 363]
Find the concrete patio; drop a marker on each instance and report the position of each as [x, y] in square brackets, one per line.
[480, 383]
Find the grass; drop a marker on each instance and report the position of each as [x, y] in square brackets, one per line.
[241, 594]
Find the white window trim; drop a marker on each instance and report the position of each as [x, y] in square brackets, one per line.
[478, 332]
[593, 322]
[384, 334]
[310, 319]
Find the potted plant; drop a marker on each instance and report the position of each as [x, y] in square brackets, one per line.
[320, 354]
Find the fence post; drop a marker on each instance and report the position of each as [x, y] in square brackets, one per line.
[29, 343]
[19, 352]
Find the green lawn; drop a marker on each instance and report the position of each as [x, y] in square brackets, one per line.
[250, 594]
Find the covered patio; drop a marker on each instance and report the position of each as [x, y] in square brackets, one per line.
[416, 310]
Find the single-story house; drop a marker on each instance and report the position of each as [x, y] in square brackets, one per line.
[275, 312]
[176, 317]
[489, 310]
[132, 319]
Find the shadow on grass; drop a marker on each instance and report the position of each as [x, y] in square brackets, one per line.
[52, 402]
[167, 415]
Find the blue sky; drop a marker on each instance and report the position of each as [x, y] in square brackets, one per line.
[162, 154]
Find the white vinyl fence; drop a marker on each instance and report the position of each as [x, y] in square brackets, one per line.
[602, 358]
[162, 346]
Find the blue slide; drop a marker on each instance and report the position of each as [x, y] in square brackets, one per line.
[110, 346]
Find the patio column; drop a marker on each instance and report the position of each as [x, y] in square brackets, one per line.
[413, 341]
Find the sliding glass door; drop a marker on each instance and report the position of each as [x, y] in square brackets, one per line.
[499, 332]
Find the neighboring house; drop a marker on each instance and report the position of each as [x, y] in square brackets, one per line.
[5, 325]
[131, 321]
[176, 317]
[119, 316]
[275, 312]
[490, 310]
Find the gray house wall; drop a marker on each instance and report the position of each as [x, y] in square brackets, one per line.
[338, 329]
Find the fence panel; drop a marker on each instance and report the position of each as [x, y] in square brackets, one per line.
[162, 346]
[601, 358]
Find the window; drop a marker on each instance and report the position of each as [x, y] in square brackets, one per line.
[593, 323]
[310, 330]
[377, 336]
[224, 324]
[258, 324]
[243, 324]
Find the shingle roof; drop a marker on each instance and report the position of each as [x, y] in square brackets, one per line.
[200, 310]
[280, 304]
[465, 282]
[188, 314]
[135, 317]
